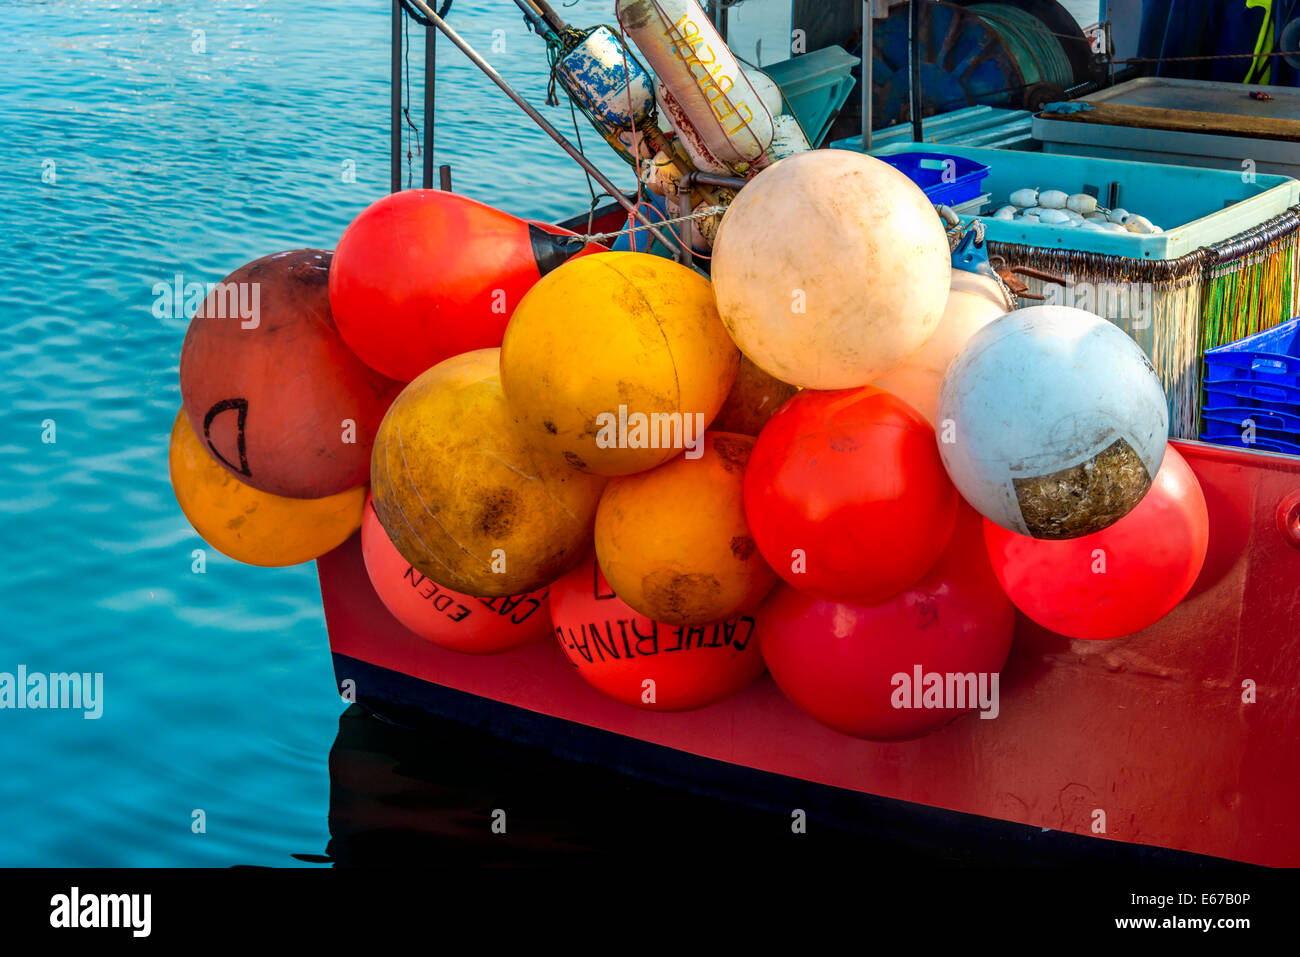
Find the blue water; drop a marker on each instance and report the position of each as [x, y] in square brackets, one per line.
[218, 689]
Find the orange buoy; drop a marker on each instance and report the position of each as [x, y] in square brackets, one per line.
[465, 497]
[753, 398]
[451, 619]
[423, 274]
[250, 526]
[673, 542]
[616, 362]
[270, 387]
[643, 663]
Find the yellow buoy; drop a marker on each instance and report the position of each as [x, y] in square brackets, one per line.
[753, 398]
[463, 494]
[615, 362]
[249, 525]
[916, 381]
[674, 543]
[830, 268]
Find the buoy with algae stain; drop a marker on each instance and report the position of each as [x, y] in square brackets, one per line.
[464, 495]
[673, 542]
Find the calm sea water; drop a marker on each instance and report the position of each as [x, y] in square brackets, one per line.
[146, 139]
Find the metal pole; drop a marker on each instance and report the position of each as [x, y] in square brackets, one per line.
[395, 121]
[868, 43]
[550, 130]
[914, 62]
[430, 58]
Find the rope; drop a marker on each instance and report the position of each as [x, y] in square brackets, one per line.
[704, 213]
[1216, 56]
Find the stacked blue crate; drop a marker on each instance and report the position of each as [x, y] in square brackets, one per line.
[1252, 391]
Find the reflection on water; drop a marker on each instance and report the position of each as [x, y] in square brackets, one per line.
[428, 798]
[402, 797]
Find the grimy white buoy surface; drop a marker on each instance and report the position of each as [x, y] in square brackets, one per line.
[830, 267]
[1052, 422]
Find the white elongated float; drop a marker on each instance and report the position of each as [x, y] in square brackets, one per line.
[690, 59]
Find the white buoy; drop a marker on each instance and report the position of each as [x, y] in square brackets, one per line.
[1052, 199]
[1140, 224]
[1006, 212]
[1082, 203]
[1053, 217]
[714, 95]
[829, 268]
[1024, 198]
[1052, 422]
[1118, 216]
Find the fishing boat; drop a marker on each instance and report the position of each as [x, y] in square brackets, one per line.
[1183, 737]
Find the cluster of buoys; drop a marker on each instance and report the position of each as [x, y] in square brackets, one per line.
[839, 457]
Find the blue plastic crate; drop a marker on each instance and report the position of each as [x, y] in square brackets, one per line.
[927, 170]
[1286, 423]
[1267, 393]
[1232, 433]
[1270, 358]
[1256, 379]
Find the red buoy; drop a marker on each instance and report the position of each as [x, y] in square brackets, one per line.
[271, 389]
[904, 667]
[1119, 580]
[479, 626]
[846, 495]
[423, 274]
[648, 664]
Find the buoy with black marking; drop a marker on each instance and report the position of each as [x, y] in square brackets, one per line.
[253, 527]
[271, 390]
[423, 274]
[646, 663]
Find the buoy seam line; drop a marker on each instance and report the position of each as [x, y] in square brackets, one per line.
[658, 325]
[402, 449]
[491, 454]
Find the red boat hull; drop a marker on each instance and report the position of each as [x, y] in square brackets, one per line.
[1185, 735]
